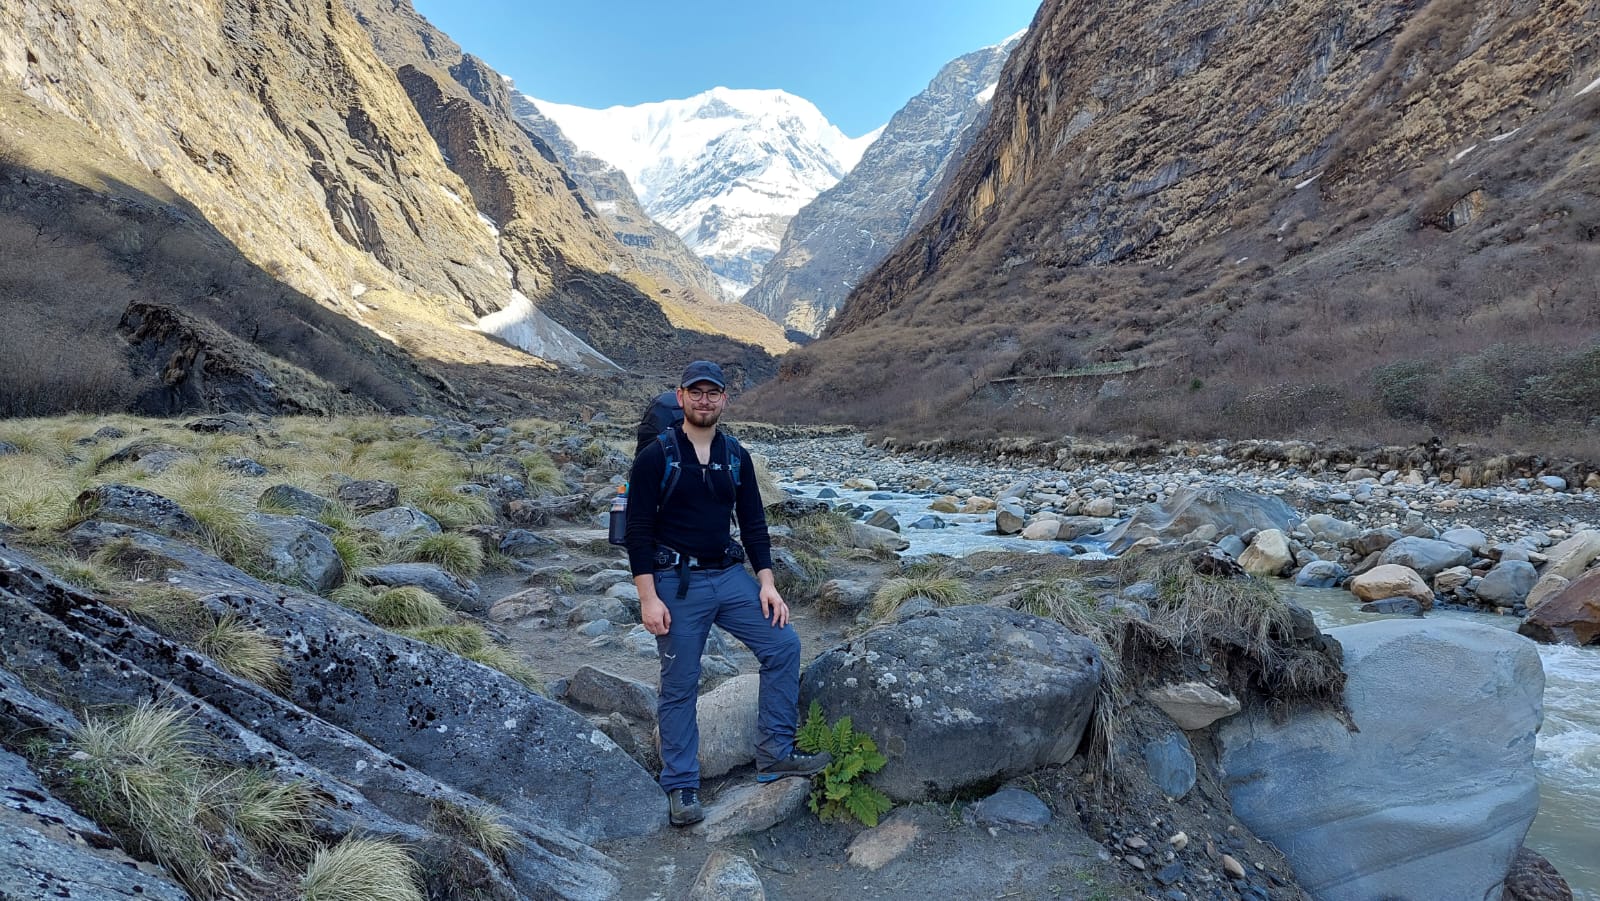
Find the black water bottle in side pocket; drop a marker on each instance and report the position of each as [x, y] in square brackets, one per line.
[619, 516]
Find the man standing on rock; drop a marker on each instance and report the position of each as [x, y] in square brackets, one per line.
[682, 492]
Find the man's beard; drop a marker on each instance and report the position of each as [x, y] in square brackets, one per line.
[702, 418]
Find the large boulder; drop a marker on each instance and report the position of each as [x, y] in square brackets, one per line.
[960, 696]
[1432, 797]
[873, 538]
[1425, 555]
[727, 719]
[1230, 510]
[134, 506]
[299, 551]
[1571, 617]
[1508, 584]
[455, 720]
[401, 523]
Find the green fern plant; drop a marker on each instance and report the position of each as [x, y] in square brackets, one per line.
[839, 795]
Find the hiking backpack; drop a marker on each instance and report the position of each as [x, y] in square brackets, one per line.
[662, 414]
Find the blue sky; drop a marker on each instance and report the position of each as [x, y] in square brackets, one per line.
[858, 60]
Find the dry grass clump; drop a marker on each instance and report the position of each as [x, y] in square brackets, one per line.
[361, 869]
[942, 590]
[141, 775]
[542, 474]
[245, 651]
[36, 493]
[483, 826]
[406, 607]
[173, 612]
[821, 530]
[453, 509]
[451, 551]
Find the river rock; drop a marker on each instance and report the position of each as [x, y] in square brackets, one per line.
[298, 551]
[960, 696]
[1373, 541]
[1321, 574]
[1232, 510]
[1572, 616]
[1426, 556]
[1507, 584]
[1100, 508]
[1193, 705]
[1432, 797]
[1010, 518]
[400, 523]
[1532, 878]
[1395, 606]
[1451, 579]
[1042, 530]
[1389, 581]
[1567, 561]
[139, 507]
[873, 538]
[883, 519]
[1467, 538]
[460, 594]
[1325, 527]
[727, 877]
[523, 543]
[1268, 555]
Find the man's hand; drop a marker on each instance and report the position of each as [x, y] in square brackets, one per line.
[657, 618]
[773, 608]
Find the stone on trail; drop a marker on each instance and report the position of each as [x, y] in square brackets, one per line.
[608, 692]
[727, 718]
[727, 877]
[1193, 705]
[1268, 556]
[1012, 807]
[753, 807]
[523, 543]
[1427, 556]
[1231, 510]
[1392, 580]
[1434, 794]
[960, 696]
[844, 595]
[880, 845]
[1572, 616]
[298, 551]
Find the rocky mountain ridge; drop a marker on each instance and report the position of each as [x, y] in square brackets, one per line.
[349, 153]
[848, 229]
[1192, 212]
[725, 169]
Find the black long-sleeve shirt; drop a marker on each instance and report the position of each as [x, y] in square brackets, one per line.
[696, 518]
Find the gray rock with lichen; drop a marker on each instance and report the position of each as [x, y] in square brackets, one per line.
[959, 696]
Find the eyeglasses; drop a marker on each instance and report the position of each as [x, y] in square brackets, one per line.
[711, 394]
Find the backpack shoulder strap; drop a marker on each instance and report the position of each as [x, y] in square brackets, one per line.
[735, 456]
[674, 465]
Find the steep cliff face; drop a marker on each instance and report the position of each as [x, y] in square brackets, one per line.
[843, 234]
[1208, 201]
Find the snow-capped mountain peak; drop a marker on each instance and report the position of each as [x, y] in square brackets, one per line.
[724, 169]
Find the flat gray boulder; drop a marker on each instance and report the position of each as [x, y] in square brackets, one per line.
[1230, 510]
[134, 506]
[1427, 556]
[295, 500]
[399, 523]
[1508, 584]
[299, 551]
[1434, 794]
[960, 696]
[458, 593]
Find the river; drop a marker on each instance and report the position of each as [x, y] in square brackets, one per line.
[1567, 829]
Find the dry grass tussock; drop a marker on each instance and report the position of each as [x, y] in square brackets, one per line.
[942, 590]
[141, 774]
[246, 652]
[360, 869]
[483, 826]
[1238, 627]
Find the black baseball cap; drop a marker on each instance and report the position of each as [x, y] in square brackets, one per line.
[703, 371]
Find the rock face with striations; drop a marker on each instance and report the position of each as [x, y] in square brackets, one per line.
[1434, 794]
[848, 229]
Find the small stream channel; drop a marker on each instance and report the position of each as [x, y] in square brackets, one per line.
[1567, 830]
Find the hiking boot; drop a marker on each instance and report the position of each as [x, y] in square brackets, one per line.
[683, 806]
[796, 764]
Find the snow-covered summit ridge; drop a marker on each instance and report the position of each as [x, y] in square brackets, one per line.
[724, 169]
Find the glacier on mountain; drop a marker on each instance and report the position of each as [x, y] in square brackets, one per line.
[725, 169]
